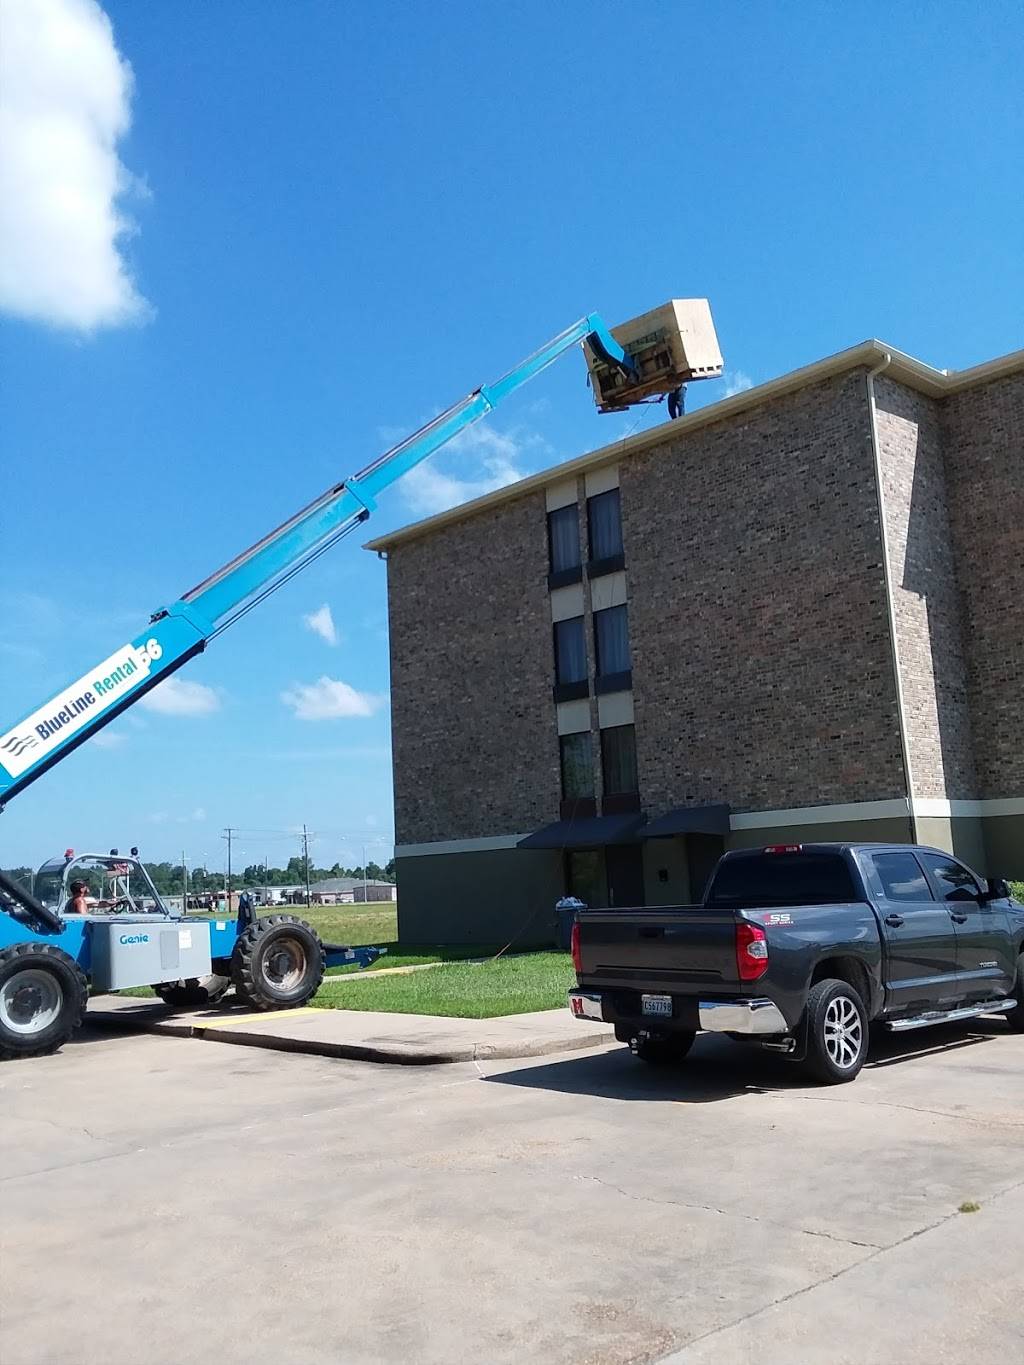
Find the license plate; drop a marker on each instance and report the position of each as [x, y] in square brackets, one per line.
[656, 1004]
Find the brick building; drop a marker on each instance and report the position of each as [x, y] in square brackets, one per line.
[699, 638]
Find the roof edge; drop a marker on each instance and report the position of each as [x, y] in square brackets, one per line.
[906, 368]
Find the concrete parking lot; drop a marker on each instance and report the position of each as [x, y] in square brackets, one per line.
[171, 1200]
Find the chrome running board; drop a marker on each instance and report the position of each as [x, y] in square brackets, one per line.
[950, 1016]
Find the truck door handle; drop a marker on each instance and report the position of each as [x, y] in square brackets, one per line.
[652, 931]
[894, 920]
[957, 917]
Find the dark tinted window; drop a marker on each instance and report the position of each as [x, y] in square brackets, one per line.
[570, 651]
[564, 539]
[782, 879]
[618, 760]
[605, 525]
[611, 641]
[577, 767]
[956, 883]
[901, 877]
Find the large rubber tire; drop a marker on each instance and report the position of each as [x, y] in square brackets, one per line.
[43, 995]
[194, 993]
[1015, 1017]
[668, 1051]
[278, 963]
[837, 1032]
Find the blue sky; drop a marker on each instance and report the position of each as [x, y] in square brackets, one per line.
[344, 217]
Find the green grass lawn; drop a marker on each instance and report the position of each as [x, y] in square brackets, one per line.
[353, 924]
[466, 990]
[358, 924]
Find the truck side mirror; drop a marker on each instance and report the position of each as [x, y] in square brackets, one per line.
[996, 889]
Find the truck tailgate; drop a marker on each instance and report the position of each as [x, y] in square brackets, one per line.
[675, 949]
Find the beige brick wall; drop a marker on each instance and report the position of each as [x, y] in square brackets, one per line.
[762, 671]
[926, 598]
[984, 430]
[473, 722]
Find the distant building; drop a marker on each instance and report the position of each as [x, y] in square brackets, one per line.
[347, 890]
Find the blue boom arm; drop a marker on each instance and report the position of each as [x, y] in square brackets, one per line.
[178, 632]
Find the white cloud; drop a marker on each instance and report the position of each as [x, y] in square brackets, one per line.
[329, 699]
[66, 95]
[483, 459]
[321, 623]
[737, 382]
[176, 697]
[198, 814]
[108, 739]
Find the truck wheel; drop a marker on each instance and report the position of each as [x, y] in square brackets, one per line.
[837, 1032]
[1015, 1017]
[194, 993]
[43, 995]
[277, 964]
[664, 1051]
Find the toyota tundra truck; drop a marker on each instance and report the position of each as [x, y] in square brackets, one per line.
[803, 949]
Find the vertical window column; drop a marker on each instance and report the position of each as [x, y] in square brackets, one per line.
[604, 533]
[577, 763]
[570, 660]
[618, 763]
[565, 562]
[611, 649]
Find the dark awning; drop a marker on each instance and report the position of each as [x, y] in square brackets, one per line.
[689, 820]
[586, 833]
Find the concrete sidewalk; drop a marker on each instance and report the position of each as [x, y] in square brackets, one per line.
[369, 1036]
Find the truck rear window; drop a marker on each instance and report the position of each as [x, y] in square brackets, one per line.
[782, 879]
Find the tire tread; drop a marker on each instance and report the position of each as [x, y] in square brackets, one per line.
[76, 995]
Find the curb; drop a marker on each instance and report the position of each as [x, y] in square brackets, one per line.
[387, 1054]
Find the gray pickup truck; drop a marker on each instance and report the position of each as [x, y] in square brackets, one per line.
[802, 948]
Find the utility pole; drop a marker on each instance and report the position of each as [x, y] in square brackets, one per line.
[228, 834]
[184, 884]
[305, 860]
[365, 901]
[266, 882]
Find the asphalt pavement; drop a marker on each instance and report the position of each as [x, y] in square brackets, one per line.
[170, 1201]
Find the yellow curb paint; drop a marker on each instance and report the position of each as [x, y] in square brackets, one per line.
[234, 1019]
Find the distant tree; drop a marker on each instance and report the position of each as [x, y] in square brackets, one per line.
[21, 875]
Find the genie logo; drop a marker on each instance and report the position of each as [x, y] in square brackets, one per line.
[133, 938]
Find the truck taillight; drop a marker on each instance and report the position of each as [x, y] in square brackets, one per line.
[784, 848]
[574, 944]
[751, 951]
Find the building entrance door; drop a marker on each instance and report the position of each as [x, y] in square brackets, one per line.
[585, 877]
[625, 866]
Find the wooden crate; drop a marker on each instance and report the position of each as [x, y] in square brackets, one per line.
[671, 345]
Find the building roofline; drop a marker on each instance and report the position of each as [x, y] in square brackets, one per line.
[915, 374]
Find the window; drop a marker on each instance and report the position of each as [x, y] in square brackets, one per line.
[611, 642]
[956, 883]
[901, 877]
[570, 660]
[604, 522]
[577, 767]
[781, 879]
[564, 545]
[618, 760]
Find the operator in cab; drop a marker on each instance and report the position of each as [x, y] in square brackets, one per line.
[78, 904]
